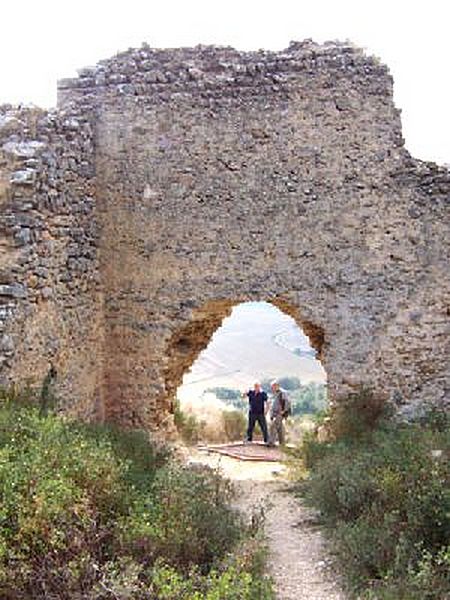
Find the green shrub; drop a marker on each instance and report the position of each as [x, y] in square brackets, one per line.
[234, 424]
[143, 459]
[358, 414]
[186, 521]
[59, 495]
[240, 577]
[95, 512]
[228, 425]
[311, 450]
[188, 426]
[386, 497]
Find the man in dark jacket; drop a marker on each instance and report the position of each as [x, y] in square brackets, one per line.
[257, 401]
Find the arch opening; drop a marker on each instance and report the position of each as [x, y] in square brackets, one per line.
[229, 346]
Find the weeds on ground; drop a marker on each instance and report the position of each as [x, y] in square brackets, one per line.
[384, 492]
[98, 513]
[228, 426]
[188, 426]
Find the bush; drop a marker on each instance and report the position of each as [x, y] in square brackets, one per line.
[60, 493]
[309, 399]
[311, 450]
[359, 414]
[96, 513]
[241, 577]
[217, 426]
[188, 426]
[187, 520]
[234, 424]
[386, 497]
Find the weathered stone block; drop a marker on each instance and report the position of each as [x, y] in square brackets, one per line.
[14, 290]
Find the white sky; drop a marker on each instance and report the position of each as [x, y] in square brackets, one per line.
[44, 40]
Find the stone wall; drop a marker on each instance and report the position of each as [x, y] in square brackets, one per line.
[212, 177]
[50, 299]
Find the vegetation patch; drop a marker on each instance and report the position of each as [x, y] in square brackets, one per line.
[97, 513]
[224, 425]
[383, 490]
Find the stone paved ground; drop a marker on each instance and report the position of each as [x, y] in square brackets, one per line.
[299, 560]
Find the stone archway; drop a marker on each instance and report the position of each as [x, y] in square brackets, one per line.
[172, 183]
[190, 340]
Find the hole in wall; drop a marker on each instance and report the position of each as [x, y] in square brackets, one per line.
[255, 341]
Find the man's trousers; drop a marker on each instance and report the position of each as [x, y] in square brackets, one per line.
[252, 420]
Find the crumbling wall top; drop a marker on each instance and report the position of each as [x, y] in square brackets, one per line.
[208, 67]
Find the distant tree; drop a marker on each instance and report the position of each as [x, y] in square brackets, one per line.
[239, 403]
[224, 393]
[230, 396]
[289, 383]
[286, 382]
[309, 399]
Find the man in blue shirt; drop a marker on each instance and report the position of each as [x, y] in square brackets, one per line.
[257, 401]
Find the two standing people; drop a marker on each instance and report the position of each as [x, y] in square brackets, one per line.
[259, 406]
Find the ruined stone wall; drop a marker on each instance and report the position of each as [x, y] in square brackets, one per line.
[50, 302]
[222, 177]
[225, 176]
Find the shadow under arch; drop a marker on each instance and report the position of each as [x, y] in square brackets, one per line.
[189, 341]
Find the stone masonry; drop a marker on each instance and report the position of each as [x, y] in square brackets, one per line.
[170, 185]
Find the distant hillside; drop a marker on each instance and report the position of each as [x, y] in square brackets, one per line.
[256, 342]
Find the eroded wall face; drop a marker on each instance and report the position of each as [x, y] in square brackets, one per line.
[226, 177]
[222, 177]
[50, 301]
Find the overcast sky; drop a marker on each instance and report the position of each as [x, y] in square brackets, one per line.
[44, 40]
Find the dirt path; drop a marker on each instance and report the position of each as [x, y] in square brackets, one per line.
[299, 563]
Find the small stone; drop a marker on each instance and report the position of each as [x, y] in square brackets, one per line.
[23, 149]
[6, 344]
[23, 237]
[6, 276]
[15, 290]
[42, 272]
[414, 212]
[46, 293]
[7, 120]
[415, 316]
[24, 177]
[72, 124]
[436, 454]
[33, 281]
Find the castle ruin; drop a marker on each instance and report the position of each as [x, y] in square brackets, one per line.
[170, 185]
